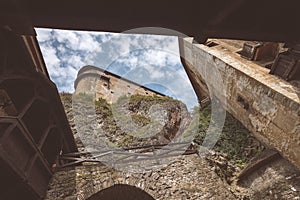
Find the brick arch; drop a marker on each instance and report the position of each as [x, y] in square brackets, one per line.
[121, 191]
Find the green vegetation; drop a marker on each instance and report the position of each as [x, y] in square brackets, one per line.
[234, 148]
[65, 97]
[127, 110]
[84, 97]
[140, 120]
[103, 108]
[145, 102]
[235, 141]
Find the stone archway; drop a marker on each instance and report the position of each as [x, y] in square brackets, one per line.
[121, 191]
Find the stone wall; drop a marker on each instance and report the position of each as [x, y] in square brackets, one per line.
[187, 177]
[107, 85]
[278, 179]
[268, 106]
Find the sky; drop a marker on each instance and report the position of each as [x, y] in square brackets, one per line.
[149, 60]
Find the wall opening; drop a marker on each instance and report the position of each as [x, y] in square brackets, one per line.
[243, 102]
[121, 191]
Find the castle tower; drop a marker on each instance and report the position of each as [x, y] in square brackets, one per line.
[106, 85]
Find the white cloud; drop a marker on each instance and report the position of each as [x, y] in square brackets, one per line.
[43, 35]
[68, 37]
[148, 58]
[131, 61]
[87, 42]
[61, 48]
[51, 59]
[75, 40]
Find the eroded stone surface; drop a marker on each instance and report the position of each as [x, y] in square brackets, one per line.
[187, 177]
[276, 180]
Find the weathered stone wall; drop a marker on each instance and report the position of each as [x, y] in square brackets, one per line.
[268, 106]
[187, 177]
[107, 85]
[276, 180]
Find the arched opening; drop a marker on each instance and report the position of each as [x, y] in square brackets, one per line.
[121, 191]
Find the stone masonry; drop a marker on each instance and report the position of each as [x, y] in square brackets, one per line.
[187, 177]
[266, 105]
[107, 85]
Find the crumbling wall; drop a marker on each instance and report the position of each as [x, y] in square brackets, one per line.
[186, 177]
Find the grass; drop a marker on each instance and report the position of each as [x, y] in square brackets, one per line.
[234, 140]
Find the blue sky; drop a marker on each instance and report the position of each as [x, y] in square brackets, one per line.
[149, 60]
